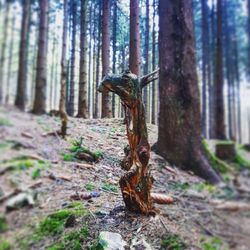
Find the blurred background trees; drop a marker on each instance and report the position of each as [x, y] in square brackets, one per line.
[111, 36]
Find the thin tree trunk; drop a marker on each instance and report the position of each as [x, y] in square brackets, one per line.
[3, 49]
[237, 79]
[146, 58]
[228, 61]
[106, 106]
[153, 117]
[23, 58]
[134, 43]
[96, 110]
[219, 83]
[63, 81]
[248, 33]
[212, 82]
[9, 73]
[179, 138]
[52, 72]
[82, 103]
[41, 74]
[114, 51]
[90, 54]
[71, 106]
[205, 63]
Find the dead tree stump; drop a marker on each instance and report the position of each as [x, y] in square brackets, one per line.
[226, 151]
[136, 184]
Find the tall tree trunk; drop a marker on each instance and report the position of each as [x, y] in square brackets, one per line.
[220, 132]
[114, 51]
[134, 42]
[237, 79]
[97, 78]
[39, 106]
[71, 105]
[82, 103]
[9, 73]
[106, 106]
[90, 53]
[179, 138]
[154, 87]
[205, 64]
[52, 73]
[146, 65]
[228, 61]
[3, 49]
[63, 80]
[248, 33]
[212, 74]
[23, 58]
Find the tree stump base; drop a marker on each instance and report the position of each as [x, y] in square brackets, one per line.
[226, 151]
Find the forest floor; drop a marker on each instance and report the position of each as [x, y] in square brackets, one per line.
[71, 202]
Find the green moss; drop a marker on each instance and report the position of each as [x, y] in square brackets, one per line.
[54, 223]
[36, 173]
[3, 224]
[57, 246]
[68, 157]
[110, 187]
[5, 245]
[5, 122]
[225, 142]
[71, 240]
[205, 186]
[89, 186]
[172, 242]
[213, 243]
[217, 164]
[239, 159]
[77, 147]
[179, 186]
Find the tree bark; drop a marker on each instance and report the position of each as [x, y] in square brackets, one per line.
[205, 63]
[3, 49]
[82, 103]
[9, 73]
[137, 182]
[90, 58]
[71, 104]
[23, 56]
[106, 105]
[96, 110]
[248, 33]
[154, 87]
[39, 106]
[63, 80]
[146, 65]
[114, 51]
[179, 138]
[134, 42]
[220, 132]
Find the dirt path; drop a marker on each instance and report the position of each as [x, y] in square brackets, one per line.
[192, 221]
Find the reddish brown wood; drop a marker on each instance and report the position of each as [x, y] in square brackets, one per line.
[136, 184]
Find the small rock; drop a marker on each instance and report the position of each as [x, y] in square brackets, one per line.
[95, 194]
[21, 200]
[140, 245]
[111, 241]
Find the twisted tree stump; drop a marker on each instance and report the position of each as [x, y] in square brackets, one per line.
[136, 184]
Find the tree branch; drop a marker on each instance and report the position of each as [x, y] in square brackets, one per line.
[145, 80]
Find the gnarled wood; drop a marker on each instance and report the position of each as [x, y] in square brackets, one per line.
[137, 182]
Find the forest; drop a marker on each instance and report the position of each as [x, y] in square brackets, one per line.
[124, 124]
